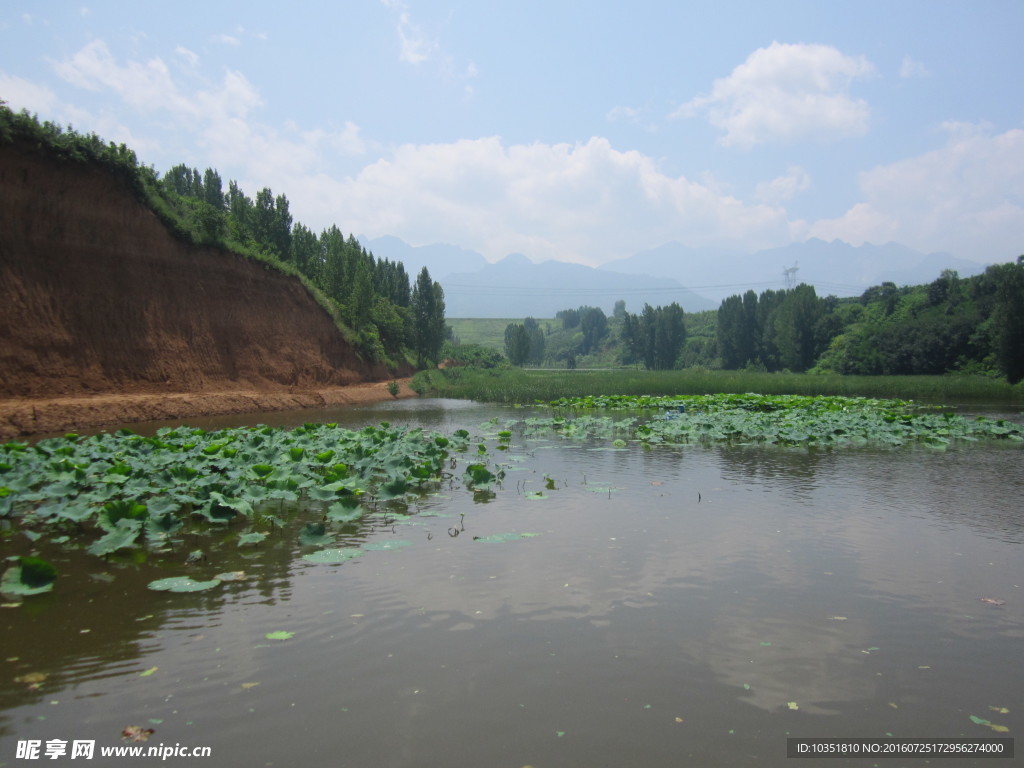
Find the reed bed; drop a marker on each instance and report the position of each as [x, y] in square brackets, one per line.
[519, 386]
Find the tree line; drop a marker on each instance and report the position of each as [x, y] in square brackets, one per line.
[373, 300]
[953, 324]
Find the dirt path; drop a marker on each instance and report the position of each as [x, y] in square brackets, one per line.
[24, 416]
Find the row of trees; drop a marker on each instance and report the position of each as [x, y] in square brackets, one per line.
[654, 337]
[524, 343]
[372, 298]
[785, 329]
[973, 324]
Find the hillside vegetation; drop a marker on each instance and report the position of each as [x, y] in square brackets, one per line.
[372, 302]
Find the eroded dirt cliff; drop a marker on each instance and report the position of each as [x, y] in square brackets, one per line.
[97, 298]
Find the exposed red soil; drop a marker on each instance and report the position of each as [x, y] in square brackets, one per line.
[105, 317]
[27, 416]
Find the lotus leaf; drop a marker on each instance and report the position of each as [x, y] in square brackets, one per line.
[502, 537]
[333, 555]
[344, 511]
[280, 635]
[182, 584]
[118, 537]
[31, 576]
[315, 535]
[387, 545]
[251, 539]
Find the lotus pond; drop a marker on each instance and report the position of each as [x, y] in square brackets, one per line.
[594, 581]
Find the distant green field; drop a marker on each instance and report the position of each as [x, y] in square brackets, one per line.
[487, 331]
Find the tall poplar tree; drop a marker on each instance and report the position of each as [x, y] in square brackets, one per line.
[428, 331]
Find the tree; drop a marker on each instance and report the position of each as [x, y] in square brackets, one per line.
[1008, 320]
[656, 336]
[428, 326]
[795, 322]
[517, 343]
[213, 192]
[669, 336]
[305, 251]
[535, 340]
[730, 333]
[594, 325]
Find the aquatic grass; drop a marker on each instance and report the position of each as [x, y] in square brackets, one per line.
[518, 386]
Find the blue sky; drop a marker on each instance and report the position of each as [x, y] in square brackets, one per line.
[577, 131]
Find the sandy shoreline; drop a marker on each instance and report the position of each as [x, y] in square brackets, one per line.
[22, 417]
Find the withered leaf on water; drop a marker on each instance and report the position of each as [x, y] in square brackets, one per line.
[136, 733]
[992, 601]
[32, 679]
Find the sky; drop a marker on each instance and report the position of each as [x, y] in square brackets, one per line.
[576, 131]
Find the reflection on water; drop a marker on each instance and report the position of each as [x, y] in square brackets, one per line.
[675, 604]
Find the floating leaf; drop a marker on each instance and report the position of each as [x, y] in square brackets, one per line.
[182, 584]
[32, 576]
[280, 635]
[333, 555]
[386, 545]
[344, 512]
[231, 576]
[32, 679]
[501, 537]
[315, 535]
[148, 672]
[136, 733]
[792, 705]
[121, 536]
[251, 539]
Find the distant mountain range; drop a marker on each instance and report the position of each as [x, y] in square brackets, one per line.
[696, 278]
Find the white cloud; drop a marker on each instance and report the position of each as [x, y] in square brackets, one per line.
[783, 188]
[190, 57]
[584, 202]
[622, 113]
[24, 94]
[784, 93]
[966, 197]
[910, 68]
[416, 46]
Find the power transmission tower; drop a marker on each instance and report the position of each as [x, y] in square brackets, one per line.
[790, 275]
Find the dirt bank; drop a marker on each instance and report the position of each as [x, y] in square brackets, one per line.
[105, 316]
[28, 416]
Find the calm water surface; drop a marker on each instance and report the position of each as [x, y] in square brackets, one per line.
[680, 606]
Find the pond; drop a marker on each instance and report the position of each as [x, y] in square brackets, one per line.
[658, 606]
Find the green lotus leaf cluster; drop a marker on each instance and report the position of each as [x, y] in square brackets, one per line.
[121, 491]
[794, 420]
